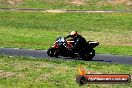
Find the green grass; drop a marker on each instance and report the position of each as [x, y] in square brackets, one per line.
[39, 30]
[115, 50]
[20, 72]
[66, 4]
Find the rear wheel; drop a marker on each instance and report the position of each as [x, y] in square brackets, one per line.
[52, 52]
[88, 55]
[92, 53]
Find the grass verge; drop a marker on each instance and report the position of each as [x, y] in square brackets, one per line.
[22, 72]
[39, 30]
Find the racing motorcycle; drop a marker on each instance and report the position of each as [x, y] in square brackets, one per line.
[62, 47]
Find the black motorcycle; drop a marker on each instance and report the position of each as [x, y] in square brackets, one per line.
[62, 47]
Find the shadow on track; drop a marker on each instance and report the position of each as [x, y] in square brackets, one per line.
[68, 58]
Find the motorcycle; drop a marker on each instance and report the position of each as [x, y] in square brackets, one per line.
[62, 47]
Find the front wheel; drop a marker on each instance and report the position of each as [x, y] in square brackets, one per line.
[52, 52]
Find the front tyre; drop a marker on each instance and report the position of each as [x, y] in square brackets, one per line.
[52, 52]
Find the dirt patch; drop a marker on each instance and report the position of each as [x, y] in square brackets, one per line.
[12, 2]
[115, 2]
[128, 2]
[78, 2]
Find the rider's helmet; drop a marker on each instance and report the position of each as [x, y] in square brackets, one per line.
[74, 33]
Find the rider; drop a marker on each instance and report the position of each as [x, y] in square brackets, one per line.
[79, 41]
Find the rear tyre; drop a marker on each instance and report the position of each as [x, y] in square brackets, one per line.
[88, 55]
[92, 53]
[52, 52]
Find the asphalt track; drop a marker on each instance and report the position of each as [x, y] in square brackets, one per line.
[42, 54]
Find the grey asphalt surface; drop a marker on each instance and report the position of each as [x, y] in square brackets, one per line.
[42, 54]
[62, 11]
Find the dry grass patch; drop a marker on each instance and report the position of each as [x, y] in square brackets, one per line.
[115, 2]
[78, 2]
[118, 1]
[109, 38]
[4, 74]
[12, 2]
